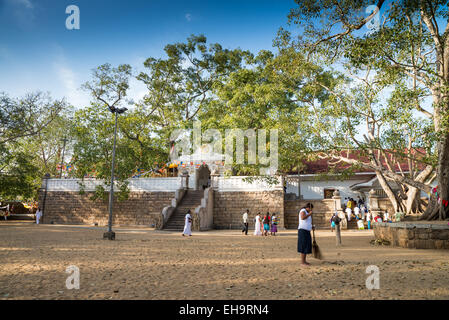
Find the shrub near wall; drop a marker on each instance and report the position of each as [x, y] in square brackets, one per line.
[141, 208]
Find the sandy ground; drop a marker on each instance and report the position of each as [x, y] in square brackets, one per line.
[148, 264]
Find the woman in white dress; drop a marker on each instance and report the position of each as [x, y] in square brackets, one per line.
[38, 215]
[187, 225]
[257, 231]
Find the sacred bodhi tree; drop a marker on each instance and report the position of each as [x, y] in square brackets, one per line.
[180, 85]
[409, 45]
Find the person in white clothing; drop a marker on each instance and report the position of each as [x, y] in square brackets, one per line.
[304, 228]
[363, 211]
[257, 231]
[38, 215]
[187, 225]
[357, 212]
[348, 213]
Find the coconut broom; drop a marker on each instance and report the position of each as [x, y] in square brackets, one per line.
[316, 252]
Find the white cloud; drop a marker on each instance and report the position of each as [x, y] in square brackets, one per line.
[23, 11]
[27, 3]
[188, 17]
[69, 80]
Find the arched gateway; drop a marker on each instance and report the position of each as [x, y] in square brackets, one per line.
[202, 177]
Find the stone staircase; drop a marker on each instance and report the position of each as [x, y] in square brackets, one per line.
[353, 224]
[191, 200]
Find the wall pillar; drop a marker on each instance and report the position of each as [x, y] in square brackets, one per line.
[374, 203]
[214, 180]
[339, 209]
[42, 196]
[185, 180]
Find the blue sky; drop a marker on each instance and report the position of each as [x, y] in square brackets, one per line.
[37, 52]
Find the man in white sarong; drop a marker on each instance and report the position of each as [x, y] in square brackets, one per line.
[38, 215]
[363, 211]
[257, 231]
[357, 212]
[349, 213]
[187, 225]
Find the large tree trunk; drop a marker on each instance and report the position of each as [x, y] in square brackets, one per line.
[390, 194]
[443, 176]
[439, 210]
[412, 203]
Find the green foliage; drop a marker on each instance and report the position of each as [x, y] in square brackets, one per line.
[379, 99]
[179, 87]
[25, 124]
[100, 193]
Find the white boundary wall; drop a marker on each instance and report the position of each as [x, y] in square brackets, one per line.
[140, 184]
[236, 183]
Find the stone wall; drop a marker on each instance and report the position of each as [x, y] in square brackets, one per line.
[230, 206]
[322, 212]
[414, 235]
[141, 208]
[385, 205]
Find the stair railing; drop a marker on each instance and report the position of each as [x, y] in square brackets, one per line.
[203, 218]
[168, 210]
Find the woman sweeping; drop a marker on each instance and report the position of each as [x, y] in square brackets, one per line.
[257, 225]
[304, 237]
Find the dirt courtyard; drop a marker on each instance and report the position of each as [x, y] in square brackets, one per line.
[147, 264]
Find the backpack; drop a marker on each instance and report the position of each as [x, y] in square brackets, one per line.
[336, 219]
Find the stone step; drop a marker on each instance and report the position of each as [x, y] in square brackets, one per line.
[190, 201]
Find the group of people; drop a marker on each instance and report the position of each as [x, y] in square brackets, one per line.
[262, 226]
[358, 210]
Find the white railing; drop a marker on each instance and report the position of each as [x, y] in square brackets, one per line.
[238, 184]
[139, 184]
[234, 183]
